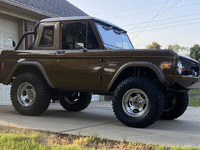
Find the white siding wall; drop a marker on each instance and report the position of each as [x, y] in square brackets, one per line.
[9, 30]
[4, 95]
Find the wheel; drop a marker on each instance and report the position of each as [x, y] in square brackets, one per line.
[75, 101]
[30, 94]
[138, 102]
[175, 105]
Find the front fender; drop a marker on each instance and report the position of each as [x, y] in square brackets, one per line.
[153, 67]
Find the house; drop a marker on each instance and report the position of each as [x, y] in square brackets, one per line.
[19, 16]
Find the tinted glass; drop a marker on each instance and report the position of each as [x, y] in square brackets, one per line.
[47, 36]
[79, 32]
[73, 33]
[92, 42]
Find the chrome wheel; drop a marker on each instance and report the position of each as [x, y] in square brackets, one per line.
[26, 94]
[135, 103]
[138, 102]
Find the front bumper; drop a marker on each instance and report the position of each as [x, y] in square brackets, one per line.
[188, 82]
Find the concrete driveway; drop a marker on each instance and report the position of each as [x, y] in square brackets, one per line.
[99, 119]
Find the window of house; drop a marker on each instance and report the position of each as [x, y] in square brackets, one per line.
[47, 36]
[79, 32]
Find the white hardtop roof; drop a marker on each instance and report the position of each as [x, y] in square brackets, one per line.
[79, 18]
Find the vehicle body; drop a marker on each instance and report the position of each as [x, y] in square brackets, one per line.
[80, 55]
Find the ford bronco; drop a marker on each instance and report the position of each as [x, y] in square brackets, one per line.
[72, 57]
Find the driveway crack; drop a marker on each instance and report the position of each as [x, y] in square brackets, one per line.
[95, 125]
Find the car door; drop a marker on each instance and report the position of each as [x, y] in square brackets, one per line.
[76, 69]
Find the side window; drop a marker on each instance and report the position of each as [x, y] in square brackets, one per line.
[47, 36]
[79, 32]
[73, 33]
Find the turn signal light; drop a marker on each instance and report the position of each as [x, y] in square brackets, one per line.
[183, 69]
[166, 66]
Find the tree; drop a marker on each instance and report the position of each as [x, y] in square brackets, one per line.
[178, 49]
[175, 48]
[195, 52]
[154, 45]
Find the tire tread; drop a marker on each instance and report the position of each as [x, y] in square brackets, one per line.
[83, 103]
[42, 100]
[158, 102]
[179, 109]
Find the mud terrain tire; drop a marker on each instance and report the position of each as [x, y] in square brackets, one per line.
[138, 102]
[76, 103]
[177, 106]
[30, 94]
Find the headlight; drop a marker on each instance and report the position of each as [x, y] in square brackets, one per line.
[179, 68]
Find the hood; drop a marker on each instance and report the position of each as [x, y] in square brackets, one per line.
[186, 57]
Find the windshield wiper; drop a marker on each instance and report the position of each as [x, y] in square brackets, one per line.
[111, 28]
[118, 32]
[107, 28]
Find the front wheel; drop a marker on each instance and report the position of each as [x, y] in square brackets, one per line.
[175, 105]
[138, 102]
[75, 101]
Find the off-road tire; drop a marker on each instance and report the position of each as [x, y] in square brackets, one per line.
[40, 90]
[180, 106]
[82, 102]
[153, 110]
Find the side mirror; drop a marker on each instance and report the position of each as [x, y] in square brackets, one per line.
[81, 45]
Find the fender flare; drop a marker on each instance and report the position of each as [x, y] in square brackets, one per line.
[153, 67]
[31, 63]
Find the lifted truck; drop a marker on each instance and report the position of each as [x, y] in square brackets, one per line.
[73, 57]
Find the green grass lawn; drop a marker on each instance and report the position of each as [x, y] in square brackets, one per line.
[51, 141]
[194, 98]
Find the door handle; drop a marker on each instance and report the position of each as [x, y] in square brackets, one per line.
[60, 52]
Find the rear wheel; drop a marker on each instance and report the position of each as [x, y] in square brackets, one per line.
[138, 102]
[175, 105]
[75, 101]
[30, 94]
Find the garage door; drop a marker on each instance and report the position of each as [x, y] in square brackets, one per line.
[8, 33]
[8, 36]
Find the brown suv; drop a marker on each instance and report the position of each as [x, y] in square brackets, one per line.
[74, 57]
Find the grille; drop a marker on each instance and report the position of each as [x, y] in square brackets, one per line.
[190, 66]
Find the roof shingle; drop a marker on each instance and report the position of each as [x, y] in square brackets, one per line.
[61, 8]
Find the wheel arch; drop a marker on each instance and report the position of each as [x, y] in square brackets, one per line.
[23, 67]
[136, 69]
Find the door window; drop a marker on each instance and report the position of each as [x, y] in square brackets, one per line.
[79, 32]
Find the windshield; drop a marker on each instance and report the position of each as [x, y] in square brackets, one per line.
[114, 39]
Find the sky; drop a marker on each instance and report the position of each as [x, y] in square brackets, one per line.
[163, 21]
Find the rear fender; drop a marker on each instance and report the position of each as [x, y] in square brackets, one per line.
[29, 63]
